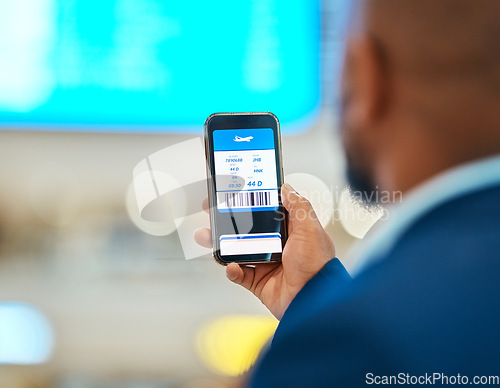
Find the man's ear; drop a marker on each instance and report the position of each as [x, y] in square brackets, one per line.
[363, 83]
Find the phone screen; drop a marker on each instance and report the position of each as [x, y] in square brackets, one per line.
[248, 218]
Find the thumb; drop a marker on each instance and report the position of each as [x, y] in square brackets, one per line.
[242, 275]
[300, 211]
[235, 273]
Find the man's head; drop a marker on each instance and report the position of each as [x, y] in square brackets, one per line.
[421, 89]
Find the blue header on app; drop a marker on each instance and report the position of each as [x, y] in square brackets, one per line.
[243, 139]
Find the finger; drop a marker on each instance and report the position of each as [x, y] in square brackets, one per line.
[263, 272]
[252, 278]
[288, 196]
[242, 275]
[293, 201]
[205, 205]
[298, 207]
[203, 237]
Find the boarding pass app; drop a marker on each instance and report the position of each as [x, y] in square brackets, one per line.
[246, 159]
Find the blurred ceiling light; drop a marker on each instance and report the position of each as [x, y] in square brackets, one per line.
[357, 219]
[316, 191]
[26, 337]
[231, 344]
[26, 38]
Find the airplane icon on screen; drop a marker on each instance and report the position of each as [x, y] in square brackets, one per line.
[239, 139]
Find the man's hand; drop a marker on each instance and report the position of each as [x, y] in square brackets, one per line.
[307, 250]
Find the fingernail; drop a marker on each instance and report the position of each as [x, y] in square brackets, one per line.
[288, 187]
[231, 277]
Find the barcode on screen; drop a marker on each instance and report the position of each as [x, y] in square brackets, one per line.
[248, 199]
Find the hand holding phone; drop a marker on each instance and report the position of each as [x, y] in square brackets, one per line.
[308, 248]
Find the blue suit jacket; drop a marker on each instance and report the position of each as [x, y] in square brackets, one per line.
[432, 305]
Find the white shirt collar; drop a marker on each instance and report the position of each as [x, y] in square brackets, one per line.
[444, 187]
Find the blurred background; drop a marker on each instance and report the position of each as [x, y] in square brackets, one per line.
[91, 295]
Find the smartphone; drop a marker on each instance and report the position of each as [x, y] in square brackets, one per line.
[245, 174]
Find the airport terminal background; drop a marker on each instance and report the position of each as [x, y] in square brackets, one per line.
[87, 90]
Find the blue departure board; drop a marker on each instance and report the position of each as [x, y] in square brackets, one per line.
[156, 65]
